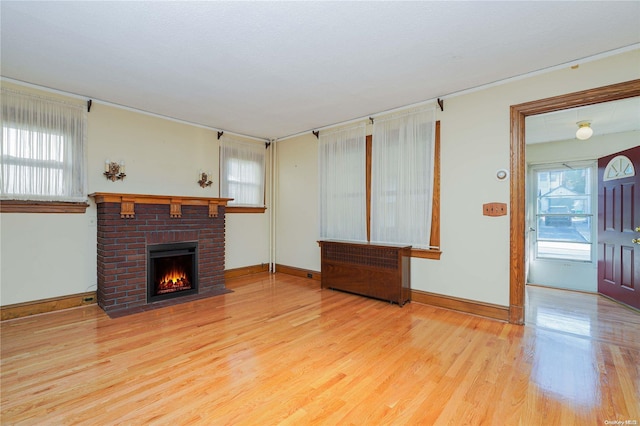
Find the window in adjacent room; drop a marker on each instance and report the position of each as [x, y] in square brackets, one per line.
[43, 149]
[242, 173]
[564, 211]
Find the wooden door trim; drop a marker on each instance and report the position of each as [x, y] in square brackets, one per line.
[517, 200]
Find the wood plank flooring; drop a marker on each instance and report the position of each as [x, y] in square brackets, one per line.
[278, 350]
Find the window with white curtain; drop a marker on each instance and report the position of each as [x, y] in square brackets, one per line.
[242, 172]
[342, 174]
[402, 178]
[43, 148]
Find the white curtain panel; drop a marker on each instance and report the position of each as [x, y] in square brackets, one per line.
[242, 172]
[43, 148]
[342, 170]
[402, 178]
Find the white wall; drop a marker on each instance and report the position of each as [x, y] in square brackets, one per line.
[52, 255]
[475, 139]
[46, 255]
[297, 225]
[247, 239]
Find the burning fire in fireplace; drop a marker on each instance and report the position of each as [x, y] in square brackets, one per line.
[173, 280]
[172, 271]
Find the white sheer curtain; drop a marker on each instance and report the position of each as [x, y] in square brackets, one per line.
[342, 176]
[242, 172]
[402, 178]
[43, 148]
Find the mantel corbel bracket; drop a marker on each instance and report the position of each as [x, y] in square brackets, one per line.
[127, 208]
[213, 208]
[175, 209]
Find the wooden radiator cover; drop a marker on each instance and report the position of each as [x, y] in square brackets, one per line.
[374, 270]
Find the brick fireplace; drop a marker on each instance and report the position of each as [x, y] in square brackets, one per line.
[129, 224]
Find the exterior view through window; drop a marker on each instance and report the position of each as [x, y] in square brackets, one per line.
[33, 163]
[564, 213]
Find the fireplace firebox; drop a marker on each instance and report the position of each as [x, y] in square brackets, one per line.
[172, 270]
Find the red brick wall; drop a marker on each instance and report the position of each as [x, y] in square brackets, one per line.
[122, 251]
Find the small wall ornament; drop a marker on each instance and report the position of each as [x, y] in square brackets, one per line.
[114, 171]
[204, 180]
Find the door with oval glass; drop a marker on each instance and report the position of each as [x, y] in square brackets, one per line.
[619, 226]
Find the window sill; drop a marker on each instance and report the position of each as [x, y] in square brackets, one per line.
[240, 209]
[426, 254]
[18, 206]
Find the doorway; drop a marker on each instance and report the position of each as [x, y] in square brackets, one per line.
[562, 229]
[518, 224]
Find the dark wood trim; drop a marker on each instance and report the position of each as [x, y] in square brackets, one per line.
[239, 209]
[245, 270]
[426, 254]
[519, 113]
[486, 310]
[19, 310]
[18, 206]
[369, 142]
[434, 239]
[299, 272]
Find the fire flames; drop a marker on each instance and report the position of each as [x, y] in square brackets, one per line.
[173, 280]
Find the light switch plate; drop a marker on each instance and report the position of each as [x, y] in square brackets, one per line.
[494, 209]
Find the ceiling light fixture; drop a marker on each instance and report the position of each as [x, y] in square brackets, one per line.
[584, 131]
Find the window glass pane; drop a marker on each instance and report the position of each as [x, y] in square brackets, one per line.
[564, 251]
[43, 148]
[564, 214]
[402, 177]
[565, 228]
[242, 168]
[342, 183]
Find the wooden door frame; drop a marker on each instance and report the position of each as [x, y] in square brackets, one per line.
[519, 113]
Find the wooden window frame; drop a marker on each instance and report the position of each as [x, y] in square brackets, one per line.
[19, 206]
[434, 240]
[45, 202]
[243, 209]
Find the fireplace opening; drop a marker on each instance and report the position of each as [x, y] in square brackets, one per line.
[172, 270]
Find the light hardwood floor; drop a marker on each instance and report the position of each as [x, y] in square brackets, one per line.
[278, 350]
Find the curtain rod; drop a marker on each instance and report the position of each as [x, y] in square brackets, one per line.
[366, 117]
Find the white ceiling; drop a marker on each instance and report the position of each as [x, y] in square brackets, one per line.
[273, 69]
[605, 118]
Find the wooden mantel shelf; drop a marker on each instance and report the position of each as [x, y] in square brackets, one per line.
[128, 201]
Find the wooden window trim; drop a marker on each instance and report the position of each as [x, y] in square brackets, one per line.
[434, 240]
[243, 209]
[426, 254]
[19, 206]
[240, 209]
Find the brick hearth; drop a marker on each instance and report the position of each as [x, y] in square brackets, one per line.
[127, 224]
